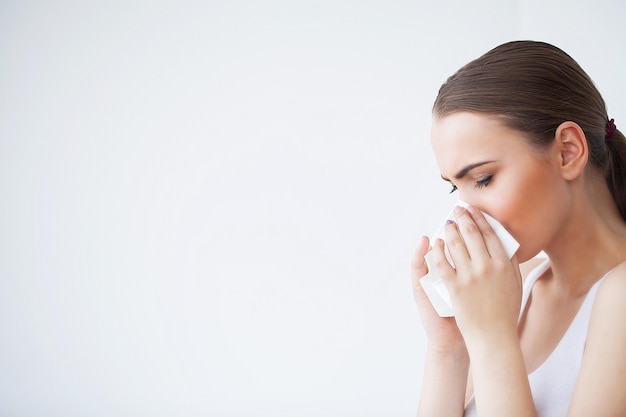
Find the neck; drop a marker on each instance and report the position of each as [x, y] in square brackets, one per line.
[591, 241]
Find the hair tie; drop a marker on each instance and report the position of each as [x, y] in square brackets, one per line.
[610, 129]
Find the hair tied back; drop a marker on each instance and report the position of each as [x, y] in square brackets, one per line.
[610, 129]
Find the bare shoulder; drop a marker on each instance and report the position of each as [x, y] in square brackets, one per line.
[619, 270]
[609, 307]
[599, 389]
[612, 290]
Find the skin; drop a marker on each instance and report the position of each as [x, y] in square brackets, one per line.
[549, 199]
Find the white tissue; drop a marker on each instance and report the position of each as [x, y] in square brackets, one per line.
[433, 285]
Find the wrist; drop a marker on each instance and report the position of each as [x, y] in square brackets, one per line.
[449, 353]
[488, 335]
[488, 347]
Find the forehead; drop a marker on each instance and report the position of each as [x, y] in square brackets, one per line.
[465, 138]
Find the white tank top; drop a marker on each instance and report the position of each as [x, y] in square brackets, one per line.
[552, 383]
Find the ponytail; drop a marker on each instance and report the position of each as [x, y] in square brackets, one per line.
[616, 172]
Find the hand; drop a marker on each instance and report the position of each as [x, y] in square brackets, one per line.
[442, 332]
[485, 286]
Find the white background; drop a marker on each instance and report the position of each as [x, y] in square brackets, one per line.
[209, 208]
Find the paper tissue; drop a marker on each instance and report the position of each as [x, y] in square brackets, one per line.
[433, 285]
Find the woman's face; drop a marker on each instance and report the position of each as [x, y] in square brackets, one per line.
[495, 169]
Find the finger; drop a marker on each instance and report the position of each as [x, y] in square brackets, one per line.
[440, 262]
[456, 245]
[515, 264]
[471, 234]
[516, 268]
[490, 239]
[419, 268]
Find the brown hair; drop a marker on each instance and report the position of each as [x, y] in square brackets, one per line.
[534, 87]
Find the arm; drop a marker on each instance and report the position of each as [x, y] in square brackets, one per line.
[447, 363]
[443, 387]
[601, 386]
[500, 380]
[447, 367]
[485, 288]
[525, 269]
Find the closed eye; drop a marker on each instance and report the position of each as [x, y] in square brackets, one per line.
[483, 182]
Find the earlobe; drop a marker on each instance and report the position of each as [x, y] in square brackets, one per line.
[574, 152]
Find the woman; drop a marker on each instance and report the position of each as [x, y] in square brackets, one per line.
[523, 135]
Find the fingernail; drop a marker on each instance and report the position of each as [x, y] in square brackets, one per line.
[458, 209]
[449, 222]
[471, 209]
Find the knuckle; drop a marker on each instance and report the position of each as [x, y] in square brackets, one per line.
[482, 269]
[441, 263]
[471, 229]
[453, 241]
[489, 233]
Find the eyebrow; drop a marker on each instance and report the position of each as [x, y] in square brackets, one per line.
[465, 170]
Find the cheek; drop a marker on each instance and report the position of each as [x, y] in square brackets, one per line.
[521, 218]
[527, 211]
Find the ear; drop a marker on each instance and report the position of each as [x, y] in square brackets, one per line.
[572, 145]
